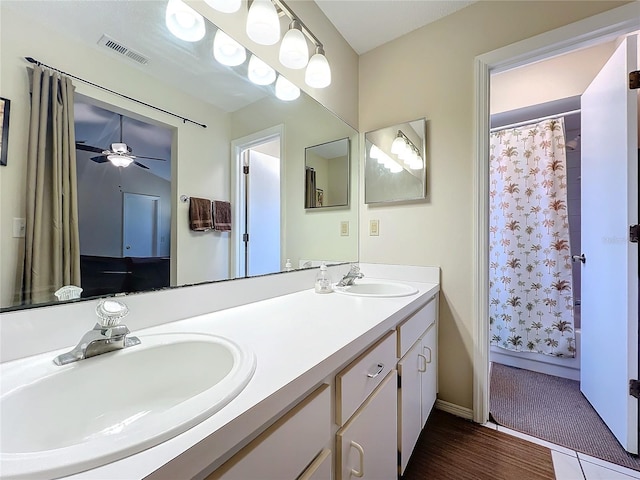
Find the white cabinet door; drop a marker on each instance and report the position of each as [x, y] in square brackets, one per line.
[321, 468]
[367, 445]
[429, 373]
[409, 402]
[286, 448]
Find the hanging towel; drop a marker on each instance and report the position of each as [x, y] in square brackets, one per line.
[221, 216]
[200, 218]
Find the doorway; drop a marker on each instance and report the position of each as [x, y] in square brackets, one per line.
[257, 178]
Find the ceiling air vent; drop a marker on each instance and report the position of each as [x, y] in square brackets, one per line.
[118, 47]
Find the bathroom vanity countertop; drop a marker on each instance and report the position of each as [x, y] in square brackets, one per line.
[299, 340]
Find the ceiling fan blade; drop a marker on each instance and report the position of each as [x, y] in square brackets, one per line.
[152, 158]
[100, 158]
[141, 165]
[88, 148]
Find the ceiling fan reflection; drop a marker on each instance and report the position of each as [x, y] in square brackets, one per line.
[120, 154]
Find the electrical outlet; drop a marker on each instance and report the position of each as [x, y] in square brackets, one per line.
[19, 227]
[344, 229]
[374, 228]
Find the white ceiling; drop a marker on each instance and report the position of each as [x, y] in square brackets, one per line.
[367, 24]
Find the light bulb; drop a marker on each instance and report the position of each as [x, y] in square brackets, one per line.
[224, 6]
[417, 163]
[120, 160]
[285, 90]
[398, 145]
[294, 52]
[263, 24]
[375, 152]
[318, 74]
[394, 167]
[184, 22]
[227, 51]
[259, 72]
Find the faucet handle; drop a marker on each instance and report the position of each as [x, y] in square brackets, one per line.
[110, 312]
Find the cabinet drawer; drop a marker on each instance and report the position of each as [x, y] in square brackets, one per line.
[285, 449]
[412, 329]
[363, 375]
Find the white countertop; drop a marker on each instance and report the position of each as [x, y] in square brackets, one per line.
[299, 340]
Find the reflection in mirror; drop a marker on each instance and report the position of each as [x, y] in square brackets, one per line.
[395, 167]
[150, 65]
[327, 174]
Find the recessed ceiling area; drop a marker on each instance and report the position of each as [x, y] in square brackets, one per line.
[367, 24]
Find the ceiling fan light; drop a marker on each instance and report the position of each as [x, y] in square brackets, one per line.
[224, 6]
[259, 72]
[285, 90]
[263, 23]
[184, 22]
[227, 51]
[119, 147]
[318, 74]
[120, 160]
[294, 52]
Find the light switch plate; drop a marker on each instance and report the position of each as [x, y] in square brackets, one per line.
[344, 229]
[19, 227]
[374, 228]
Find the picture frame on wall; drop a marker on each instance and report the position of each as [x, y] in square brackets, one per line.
[4, 129]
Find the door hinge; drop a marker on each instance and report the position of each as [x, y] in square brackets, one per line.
[245, 237]
[633, 233]
[634, 388]
[245, 169]
[634, 80]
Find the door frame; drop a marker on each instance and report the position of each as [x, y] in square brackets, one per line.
[237, 191]
[584, 33]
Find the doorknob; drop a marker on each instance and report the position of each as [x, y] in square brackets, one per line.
[580, 257]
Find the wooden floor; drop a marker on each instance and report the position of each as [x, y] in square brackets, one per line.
[451, 448]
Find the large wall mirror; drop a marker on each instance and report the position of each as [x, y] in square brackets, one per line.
[395, 166]
[126, 47]
[327, 174]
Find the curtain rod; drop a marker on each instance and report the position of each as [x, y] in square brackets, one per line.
[184, 119]
[535, 120]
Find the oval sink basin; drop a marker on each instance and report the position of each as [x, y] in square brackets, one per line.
[377, 288]
[59, 420]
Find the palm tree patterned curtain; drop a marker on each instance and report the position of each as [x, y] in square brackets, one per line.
[531, 299]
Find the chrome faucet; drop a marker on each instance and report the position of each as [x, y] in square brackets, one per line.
[106, 336]
[349, 278]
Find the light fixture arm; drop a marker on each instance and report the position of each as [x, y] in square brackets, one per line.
[409, 142]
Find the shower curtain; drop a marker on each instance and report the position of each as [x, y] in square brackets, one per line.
[531, 299]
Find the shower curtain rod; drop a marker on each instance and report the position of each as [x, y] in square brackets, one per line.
[184, 119]
[535, 120]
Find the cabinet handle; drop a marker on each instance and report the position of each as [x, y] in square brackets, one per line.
[427, 348]
[354, 472]
[378, 372]
[424, 369]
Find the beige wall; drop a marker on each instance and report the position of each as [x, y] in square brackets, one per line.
[307, 234]
[341, 97]
[203, 153]
[429, 73]
[554, 79]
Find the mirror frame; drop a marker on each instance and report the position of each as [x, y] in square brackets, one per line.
[368, 160]
[347, 179]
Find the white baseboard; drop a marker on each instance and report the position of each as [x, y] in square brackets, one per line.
[454, 409]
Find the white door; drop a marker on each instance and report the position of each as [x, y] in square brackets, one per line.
[263, 213]
[140, 225]
[610, 274]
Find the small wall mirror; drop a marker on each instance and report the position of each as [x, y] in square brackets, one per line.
[327, 174]
[395, 167]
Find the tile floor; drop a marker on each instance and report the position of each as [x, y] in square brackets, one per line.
[572, 465]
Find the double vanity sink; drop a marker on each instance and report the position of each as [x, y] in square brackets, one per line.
[60, 420]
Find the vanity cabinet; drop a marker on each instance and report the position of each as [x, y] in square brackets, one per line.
[417, 371]
[366, 408]
[293, 447]
[366, 445]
